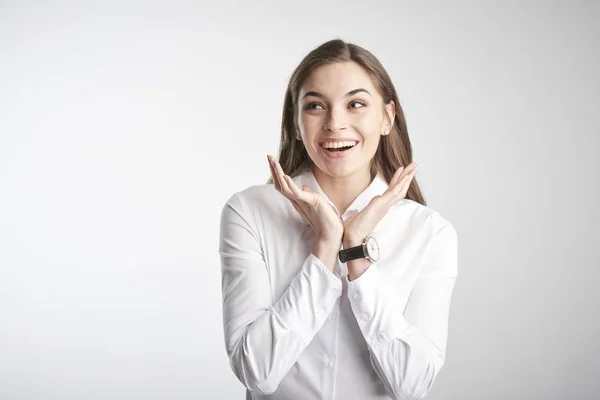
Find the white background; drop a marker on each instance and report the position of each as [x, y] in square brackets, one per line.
[125, 126]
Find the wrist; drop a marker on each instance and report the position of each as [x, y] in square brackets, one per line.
[327, 252]
[357, 267]
[328, 242]
[331, 238]
[351, 241]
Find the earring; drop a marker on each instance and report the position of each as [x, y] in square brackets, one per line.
[387, 132]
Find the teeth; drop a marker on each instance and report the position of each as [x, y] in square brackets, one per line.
[335, 145]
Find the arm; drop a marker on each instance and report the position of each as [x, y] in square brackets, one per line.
[264, 336]
[407, 351]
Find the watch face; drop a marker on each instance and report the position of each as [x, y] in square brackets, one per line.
[372, 248]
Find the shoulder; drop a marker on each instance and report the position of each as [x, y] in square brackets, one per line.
[417, 212]
[255, 200]
[252, 194]
[439, 237]
[423, 217]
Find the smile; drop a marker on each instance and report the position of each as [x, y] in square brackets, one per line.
[338, 149]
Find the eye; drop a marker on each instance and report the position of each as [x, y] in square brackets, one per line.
[358, 102]
[309, 106]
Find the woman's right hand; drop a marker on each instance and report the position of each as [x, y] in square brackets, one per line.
[321, 216]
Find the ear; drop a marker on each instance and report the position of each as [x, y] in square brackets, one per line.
[390, 110]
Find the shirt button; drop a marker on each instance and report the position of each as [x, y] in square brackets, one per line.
[356, 295]
[365, 316]
[330, 362]
[331, 317]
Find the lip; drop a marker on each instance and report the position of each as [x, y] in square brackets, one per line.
[342, 154]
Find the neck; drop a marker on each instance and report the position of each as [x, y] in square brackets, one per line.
[343, 190]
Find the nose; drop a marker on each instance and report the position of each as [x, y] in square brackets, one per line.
[336, 121]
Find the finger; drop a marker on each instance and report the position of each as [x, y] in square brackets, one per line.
[400, 173]
[284, 185]
[296, 204]
[393, 181]
[404, 185]
[274, 175]
[296, 191]
[412, 166]
[278, 175]
[275, 183]
[398, 191]
[396, 176]
[398, 187]
[395, 185]
[406, 171]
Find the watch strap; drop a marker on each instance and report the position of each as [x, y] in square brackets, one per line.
[352, 253]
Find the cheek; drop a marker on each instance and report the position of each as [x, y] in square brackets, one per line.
[369, 133]
[367, 125]
[310, 123]
[310, 128]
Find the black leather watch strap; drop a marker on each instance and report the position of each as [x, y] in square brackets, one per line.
[351, 254]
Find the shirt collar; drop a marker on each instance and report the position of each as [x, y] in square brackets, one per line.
[377, 187]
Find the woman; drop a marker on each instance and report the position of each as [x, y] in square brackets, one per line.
[337, 278]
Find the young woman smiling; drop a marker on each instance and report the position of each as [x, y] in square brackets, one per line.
[336, 277]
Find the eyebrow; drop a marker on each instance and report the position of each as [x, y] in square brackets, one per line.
[350, 93]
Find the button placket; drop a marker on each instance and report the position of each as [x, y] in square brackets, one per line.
[330, 361]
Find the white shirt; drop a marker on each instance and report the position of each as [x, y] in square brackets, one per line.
[295, 330]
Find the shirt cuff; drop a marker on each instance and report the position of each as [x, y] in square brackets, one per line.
[378, 317]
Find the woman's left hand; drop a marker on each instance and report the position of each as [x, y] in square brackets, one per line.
[358, 226]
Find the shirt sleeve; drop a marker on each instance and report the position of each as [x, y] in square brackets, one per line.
[264, 337]
[408, 350]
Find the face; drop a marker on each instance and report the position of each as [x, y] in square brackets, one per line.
[339, 104]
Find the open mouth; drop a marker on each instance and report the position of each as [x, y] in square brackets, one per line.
[339, 148]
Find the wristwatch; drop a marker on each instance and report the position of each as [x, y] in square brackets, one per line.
[368, 249]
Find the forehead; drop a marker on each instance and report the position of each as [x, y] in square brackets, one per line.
[337, 79]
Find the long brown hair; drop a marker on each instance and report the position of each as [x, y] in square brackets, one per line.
[394, 149]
